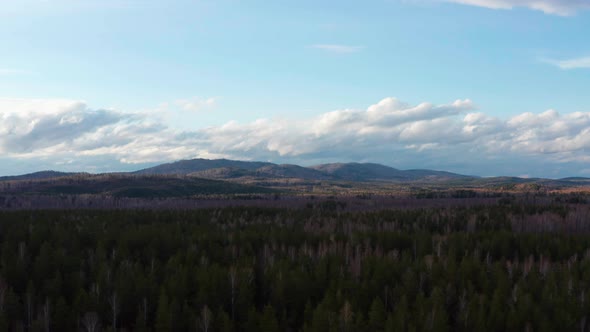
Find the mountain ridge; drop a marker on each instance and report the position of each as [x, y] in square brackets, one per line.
[47, 174]
[356, 172]
[227, 169]
[187, 166]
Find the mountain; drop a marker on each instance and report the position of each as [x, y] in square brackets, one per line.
[127, 185]
[267, 171]
[225, 169]
[292, 171]
[184, 167]
[37, 176]
[222, 173]
[426, 174]
[576, 179]
[377, 172]
[204, 176]
[233, 169]
[361, 172]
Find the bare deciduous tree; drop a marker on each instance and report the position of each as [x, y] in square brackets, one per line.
[346, 316]
[90, 322]
[204, 321]
[29, 305]
[233, 280]
[144, 308]
[115, 309]
[46, 310]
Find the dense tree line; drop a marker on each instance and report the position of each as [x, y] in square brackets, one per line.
[503, 267]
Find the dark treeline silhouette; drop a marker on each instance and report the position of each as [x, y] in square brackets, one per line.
[502, 267]
[293, 200]
[289, 201]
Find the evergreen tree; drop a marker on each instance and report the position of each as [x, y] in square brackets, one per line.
[377, 315]
[223, 322]
[439, 321]
[268, 320]
[163, 316]
[252, 323]
[3, 322]
[140, 323]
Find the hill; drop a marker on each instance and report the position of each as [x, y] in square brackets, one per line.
[292, 171]
[37, 176]
[190, 177]
[356, 172]
[125, 185]
[184, 167]
[377, 172]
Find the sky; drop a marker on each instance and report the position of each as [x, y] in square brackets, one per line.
[481, 87]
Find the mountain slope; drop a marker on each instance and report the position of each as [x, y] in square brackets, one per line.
[125, 185]
[233, 169]
[292, 171]
[37, 176]
[361, 172]
[426, 174]
[255, 171]
[222, 173]
[197, 165]
[378, 172]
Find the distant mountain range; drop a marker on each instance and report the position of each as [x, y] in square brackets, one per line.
[249, 171]
[231, 169]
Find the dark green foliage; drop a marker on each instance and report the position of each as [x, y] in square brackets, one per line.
[493, 268]
[377, 316]
[268, 320]
[133, 186]
[164, 314]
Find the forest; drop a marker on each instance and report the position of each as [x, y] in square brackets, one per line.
[511, 266]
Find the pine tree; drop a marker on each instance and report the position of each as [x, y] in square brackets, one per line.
[320, 320]
[163, 317]
[3, 322]
[398, 320]
[252, 323]
[62, 317]
[377, 315]
[140, 323]
[268, 320]
[223, 322]
[438, 315]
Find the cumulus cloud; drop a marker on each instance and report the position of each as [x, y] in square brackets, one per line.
[554, 7]
[336, 48]
[453, 136]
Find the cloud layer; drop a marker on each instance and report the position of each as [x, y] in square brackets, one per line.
[452, 136]
[576, 63]
[555, 7]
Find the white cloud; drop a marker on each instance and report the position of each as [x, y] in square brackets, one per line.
[450, 136]
[576, 63]
[336, 48]
[196, 104]
[554, 7]
[30, 126]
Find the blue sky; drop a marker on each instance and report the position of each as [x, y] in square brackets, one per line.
[487, 87]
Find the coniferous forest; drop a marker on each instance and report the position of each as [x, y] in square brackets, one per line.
[513, 266]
